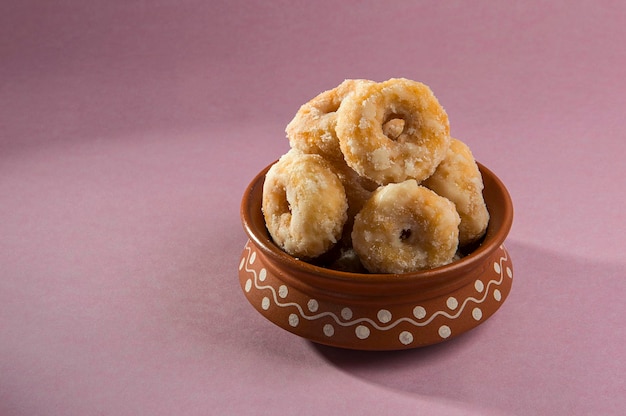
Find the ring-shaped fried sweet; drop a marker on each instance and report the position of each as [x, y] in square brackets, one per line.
[304, 204]
[405, 227]
[414, 153]
[458, 178]
[312, 130]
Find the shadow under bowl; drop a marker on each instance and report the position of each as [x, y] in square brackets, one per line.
[377, 311]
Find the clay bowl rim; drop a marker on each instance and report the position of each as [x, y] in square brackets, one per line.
[431, 282]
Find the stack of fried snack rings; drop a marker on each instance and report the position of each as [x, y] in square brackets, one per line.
[374, 183]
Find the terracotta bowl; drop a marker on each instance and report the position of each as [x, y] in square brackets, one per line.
[377, 311]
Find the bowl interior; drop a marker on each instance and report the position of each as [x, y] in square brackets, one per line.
[498, 203]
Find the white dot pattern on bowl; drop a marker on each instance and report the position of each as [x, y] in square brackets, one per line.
[362, 332]
[384, 316]
[444, 331]
[406, 337]
[346, 313]
[419, 312]
[283, 291]
[363, 326]
[452, 303]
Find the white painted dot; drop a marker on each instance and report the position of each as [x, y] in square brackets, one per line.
[252, 257]
[362, 332]
[283, 291]
[444, 331]
[509, 272]
[313, 305]
[452, 303]
[384, 316]
[405, 337]
[243, 260]
[294, 320]
[248, 285]
[265, 303]
[262, 274]
[479, 286]
[346, 313]
[497, 295]
[419, 312]
[477, 314]
[496, 267]
[329, 330]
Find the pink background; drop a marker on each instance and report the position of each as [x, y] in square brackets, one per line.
[129, 130]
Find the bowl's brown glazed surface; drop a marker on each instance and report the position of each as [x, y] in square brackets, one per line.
[377, 311]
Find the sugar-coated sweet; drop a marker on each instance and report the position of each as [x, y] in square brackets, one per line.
[405, 227]
[458, 178]
[312, 130]
[414, 153]
[304, 204]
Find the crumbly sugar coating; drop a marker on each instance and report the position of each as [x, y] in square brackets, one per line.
[312, 130]
[304, 204]
[458, 178]
[417, 149]
[358, 188]
[405, 227]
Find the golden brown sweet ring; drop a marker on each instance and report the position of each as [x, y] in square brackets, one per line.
[458, 178]
[312, 130]
[417, 150]
[405, 227]
[304, 204]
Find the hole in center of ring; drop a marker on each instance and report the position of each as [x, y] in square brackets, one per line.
[405, 234]
[394, 126]
[285, 206]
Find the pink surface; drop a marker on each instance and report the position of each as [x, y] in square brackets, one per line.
[128, 131]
